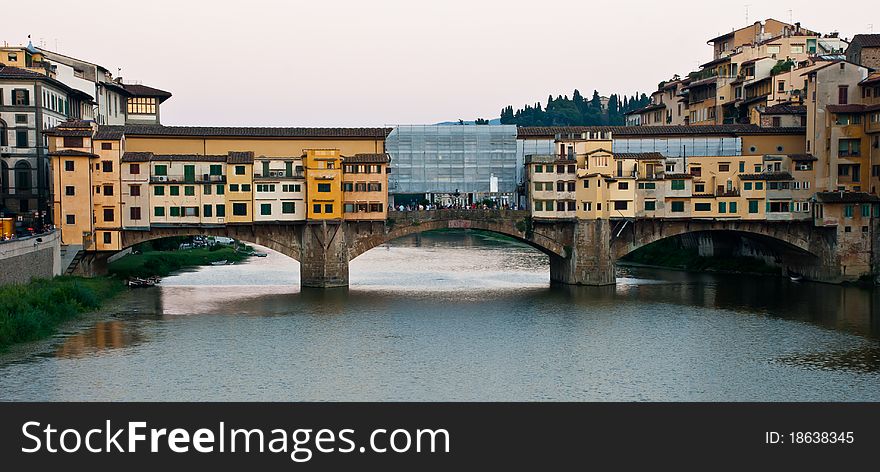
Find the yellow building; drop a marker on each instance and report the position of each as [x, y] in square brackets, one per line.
[70, 148]
[365, 187]
[240, 191]
[323, 172]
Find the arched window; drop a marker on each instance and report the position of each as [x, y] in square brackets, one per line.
[4, 137]
[23, 182]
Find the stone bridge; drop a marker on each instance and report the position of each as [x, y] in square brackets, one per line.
[581, 251]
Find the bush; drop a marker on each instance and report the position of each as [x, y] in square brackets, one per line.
[32, 311]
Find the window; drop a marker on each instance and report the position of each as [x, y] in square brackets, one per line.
[174, 190]
[732, 207]
[216, 169]
[759, 185]
[134, 169]
[206, 189]
[108, 214]
[753, 206]
[245, 187]
[21, 138]
[239, 209]
[221, 211]
[106, 166]
[539, 205]
[288, 207]
[586, 184]
[232, 188]
[849, 147]
[106, 146]
[623, 185]
[650, 205]
[108, 237]
[158, 211]
[174, 211]
[220, 189]
[206, 211]
[71, 219]
[108, 190]
[377, 207]
[780, 86]
[677, 207]
[560, 186]
[722, 207]
[142, 106]
[328, 208]
[678, 185]
[316, 208]
[68, 166]
[586, 206]
[239, 170]
[777, 122]
[265, 209]
[842, 94]
[702, 207]
[21, 97]
[539, 169]
[747, 185]
[723, 167]
[189, 190]
[620, 204]
[160, 169]
[866, 211]
[377, 187]
[97, 189]
[135, 213]
[73, 141]
[70, 190]
[324, 188]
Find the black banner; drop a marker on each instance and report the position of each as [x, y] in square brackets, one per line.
[403, 436]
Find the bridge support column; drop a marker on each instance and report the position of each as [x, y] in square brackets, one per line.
[324, 261]
[590, 260]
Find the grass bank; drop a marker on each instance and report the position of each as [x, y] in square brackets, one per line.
[32, 311]
[162, 263]
[670, 254]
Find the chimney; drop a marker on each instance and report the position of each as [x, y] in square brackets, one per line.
[797, 27]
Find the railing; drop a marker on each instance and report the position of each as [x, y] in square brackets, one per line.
[727, 193]
[182, 179]
[280, 175]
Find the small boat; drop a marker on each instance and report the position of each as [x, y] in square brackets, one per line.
[795, 277]
[260, 254]
[219, 263]
[137, 282]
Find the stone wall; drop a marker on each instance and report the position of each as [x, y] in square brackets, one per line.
[35, 257]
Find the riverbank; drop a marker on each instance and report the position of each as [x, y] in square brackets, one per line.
[162, 263]
[34, 310]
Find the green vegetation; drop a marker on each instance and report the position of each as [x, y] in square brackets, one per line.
[33, 311]
[575, 111]
[670, 253]
[149, 263]
[782, 66]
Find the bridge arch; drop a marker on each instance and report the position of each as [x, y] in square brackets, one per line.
[276, 237]
[547, 238]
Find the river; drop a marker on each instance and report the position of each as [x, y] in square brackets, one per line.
[460, 316]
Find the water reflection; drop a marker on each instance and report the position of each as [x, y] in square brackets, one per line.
[103, 336]
[465, 316]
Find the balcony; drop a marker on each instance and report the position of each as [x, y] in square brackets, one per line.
[279, 175]
[185, 179]
[727, 193]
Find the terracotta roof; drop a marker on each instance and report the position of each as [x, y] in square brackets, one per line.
[651, 107]
[15, 73]
[144, 91]
[109, 132]
[136, 157]
[253, 132]
[678, 176]
[368, 158]
[866, 40]
[752, 61]
[786, 109]
[757, 99]
[851, 108]
[767, 176]
[871, 79]
[72, 153]
[188, 157]
[666, 130]
[84, 133]
[830, 63]
[240, 157]
[713, 62]
[802, 157]
[638, 155]
[846, 197]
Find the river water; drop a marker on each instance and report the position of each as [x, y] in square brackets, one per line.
[460, 316]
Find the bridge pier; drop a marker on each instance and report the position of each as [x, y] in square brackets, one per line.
[590, 260]
[325, 255]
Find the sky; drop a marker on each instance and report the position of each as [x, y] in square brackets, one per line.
[386, 62]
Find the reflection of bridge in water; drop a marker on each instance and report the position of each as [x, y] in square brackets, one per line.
[581, 251]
